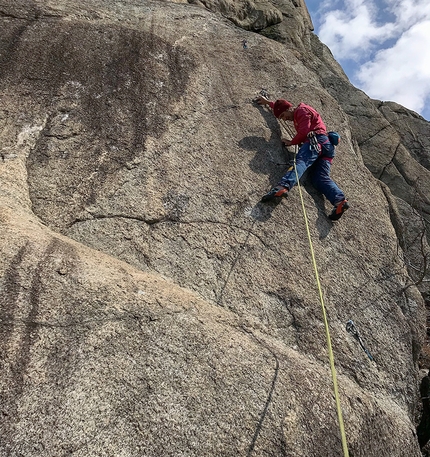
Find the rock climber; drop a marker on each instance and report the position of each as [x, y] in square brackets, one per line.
[316, 152]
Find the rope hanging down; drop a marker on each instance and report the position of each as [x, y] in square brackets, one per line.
[327, 330]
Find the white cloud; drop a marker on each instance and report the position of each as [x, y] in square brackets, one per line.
[350, 32]
[401, 73]
[390, 39]
[409, 12]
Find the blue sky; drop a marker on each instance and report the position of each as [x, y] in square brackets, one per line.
[382, 45]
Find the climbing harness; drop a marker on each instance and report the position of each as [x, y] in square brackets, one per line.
[327, 330]
[351, 328]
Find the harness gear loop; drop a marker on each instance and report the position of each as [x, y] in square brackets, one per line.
[327, 330]
[313, 140]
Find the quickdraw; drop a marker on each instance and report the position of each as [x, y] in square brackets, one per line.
[313, 140]
[351, 328]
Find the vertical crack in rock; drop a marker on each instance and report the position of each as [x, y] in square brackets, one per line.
[390, 162]
[233, 265]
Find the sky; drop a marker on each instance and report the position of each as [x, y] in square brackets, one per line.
[382, 45]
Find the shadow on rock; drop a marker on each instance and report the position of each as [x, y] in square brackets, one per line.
[263, 211]
[271, 156]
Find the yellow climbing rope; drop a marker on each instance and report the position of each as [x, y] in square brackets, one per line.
[327, 330]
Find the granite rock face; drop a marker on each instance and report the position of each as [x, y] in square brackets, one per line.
[150, 305]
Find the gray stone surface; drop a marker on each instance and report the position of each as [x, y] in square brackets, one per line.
[150, 305]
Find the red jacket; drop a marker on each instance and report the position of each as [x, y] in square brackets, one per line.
[306, 120]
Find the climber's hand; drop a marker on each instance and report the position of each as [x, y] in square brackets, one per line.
[262, 100]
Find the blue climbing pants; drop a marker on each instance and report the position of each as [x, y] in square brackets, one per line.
[319, 164]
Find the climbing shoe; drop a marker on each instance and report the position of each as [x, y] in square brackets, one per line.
[275, 193]
[338, 210]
